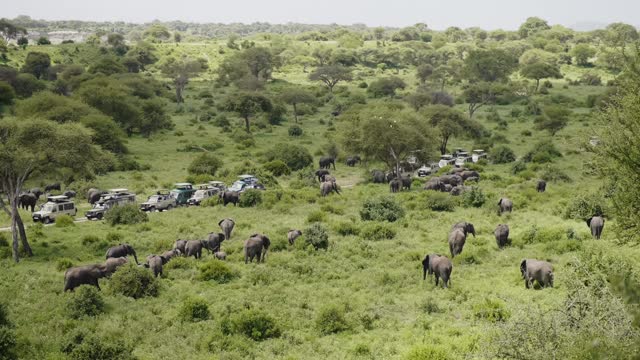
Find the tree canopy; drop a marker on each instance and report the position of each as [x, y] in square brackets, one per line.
[330, 75]
[448, 123]
[489, 65]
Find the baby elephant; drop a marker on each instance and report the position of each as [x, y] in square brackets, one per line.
[194, 248]
[536, 270]
[179, 245]
[220, 255]
[155, 262]
[112, 264]
[502, 235]
[292, 235]
[171, 254]
[505, 205]
[438, 265]
[596, 224]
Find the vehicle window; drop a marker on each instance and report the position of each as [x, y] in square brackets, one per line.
[60, 207]
[68, 206]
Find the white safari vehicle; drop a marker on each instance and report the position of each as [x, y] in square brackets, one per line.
[54, 207]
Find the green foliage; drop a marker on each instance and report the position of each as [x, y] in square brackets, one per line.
[250, 198]
[347, 228]
[134, 282]
[86, 300]
[194, 310]
[83, 344]
[205, 163]
[331, 319]
[295, 130]
[502, 154]
[473, 198]
[554, 174]
[489, 65]
[294, 156]
[125, 215]
[377, 231]
[384, 208]
[584, 206]
[428, 352]
[64, 221]
[37, 64]
[8, 342]
[438, 201]
[218, 271]
[542, 152]
[317, 236]
[492, 310]
[553, 119]
[385, 86]
[7, 94]
[4, 316]
[254, 324]
[63, 264]
[277, 167]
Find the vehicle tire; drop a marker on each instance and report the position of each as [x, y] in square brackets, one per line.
[99, 216]
[46, 220]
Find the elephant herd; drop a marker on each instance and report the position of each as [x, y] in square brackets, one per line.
[453, 182]
[28, 200]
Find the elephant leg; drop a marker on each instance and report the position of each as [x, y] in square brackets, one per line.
[95, 282]
[445, 280]
[526, 283]
[437, 278]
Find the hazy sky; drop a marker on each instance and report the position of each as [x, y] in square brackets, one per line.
[488, 14]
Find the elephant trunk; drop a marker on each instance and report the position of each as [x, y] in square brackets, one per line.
[424, 272]
[135, 257]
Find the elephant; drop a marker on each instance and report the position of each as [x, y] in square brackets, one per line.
[457, 238]
[28, 200]
[395, 185]
[457, 171]
[452, 180]
[326, 162]
[438, 265]
[227, 227]
[155, 262]
[434, 184]
[406, 182]
[505, 205]
[37, 192]
[329, 178]
[448, 187]
[213, 242]
[465, 175]
[256, 246]
[180, 246]
[536, 270]
[69, 193]
[120, 251]
[502, 235]
[292, 235]
[321, 174]
[220, 255]
[170, 254]
[230, 197]
[390, 176]
[596, 224]
[194, 248]
[472, 179]
[112, 264]
[353, 160]
[327, 187]
[54, 186]
[457, 190]
[466, 227]
[93, 195]
[378, 177]
[541, 186]
[84, 275]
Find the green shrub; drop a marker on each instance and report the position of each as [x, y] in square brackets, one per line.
[114, 237]
[64, 221]
[217, 271]
[502, 154]
[543, 152]
[277, 167]
[295, 130]
[82, 344]
[90, 240]
[316, 216]
[178, 263]
[491, 310]
[295, 156]
[251, 323]
[210, 201]
[8, 343]
[133, 281]
[347, 228]
[250, 198]
[438, 201]
[63, 264]
[194, 310]
[125, 215]
[554, 174]
[383, 208]
[3, 240]
[205, 164]
[4, 316]
[330, 208]
[85, 301]
[473, 198]
[317, 236]
[428, 352]
[430, 306]
[518, 166]
[542, 235]
[331, 319]
[583, 207]
[377, 231]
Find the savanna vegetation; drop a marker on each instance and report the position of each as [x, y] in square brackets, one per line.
[144, 106]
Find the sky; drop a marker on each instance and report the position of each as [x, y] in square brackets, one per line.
[487, 14]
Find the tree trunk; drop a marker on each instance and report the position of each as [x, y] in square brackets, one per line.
[179, 98]
[247, 124]
[537, 84]
[14, 230]
[23, 236]
[295, 112]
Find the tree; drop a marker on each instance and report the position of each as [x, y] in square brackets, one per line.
[582, 53]
[620, 34]
[259, 61]
[10, 31]
[532, 26]
[6, 94]
[539, 71]
[449, 123]
[553, 119]
[247, 105]
[180, 70]
[423, 72]
[144, 53]
[205, 164]
[350, 40]
[330, 75]
[157, 33]
[22, 42]
[42, 40]
[386, 86]
[30, 147]
[107, 65]
[37, 63]
[489, 65]
[295, 96]
[480, 94]
[27, 84]
[322, 54]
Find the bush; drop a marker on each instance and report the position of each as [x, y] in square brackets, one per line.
[82, 344]
[438, 201]
[194, 310]
[4, 316]
[251, 198]
[134, 282]
[64, 221]
[295, 156]
[295, 130]
[125, 215]
[217, 271]
[518, 166]
[63, 264]
[502, 154]
[491, 310]
[331, 319]
[543, 152]
[473, 198]
[251, 323]
[210, 201]
[205, 164]
[583, 207]
[316, 216]
[90, 240]
[377, 231]
[591, 79]
[317, 236]
[85, 301]
[347, 228]
[8, 343]
[277, 167]
[383, 208]
[552, 173]
[427, 352]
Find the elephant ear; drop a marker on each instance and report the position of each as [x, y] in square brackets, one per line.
[220, 222]
[499, 202]
[523, 266]
[589, 221]
[425, 261]
[164, 260]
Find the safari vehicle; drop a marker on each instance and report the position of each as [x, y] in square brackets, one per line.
[204, 191]
[477, 155]
[114, 197]
[182, 193]
[426, 170]
[54, 207]
[462, 158]
[218, 185]
[161, 201]
[246, 182]
[445, 160]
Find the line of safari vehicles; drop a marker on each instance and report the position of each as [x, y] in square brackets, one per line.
[183, 194]
[458, 158]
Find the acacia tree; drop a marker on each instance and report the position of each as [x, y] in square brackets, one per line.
[489, 65]
[10, 31]
[180, 70]
[31, 147]
[295, 96]
[247, 105]
[449, 123]
[480, 94]
[330, 75]
[540, 70]
[553, 119]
